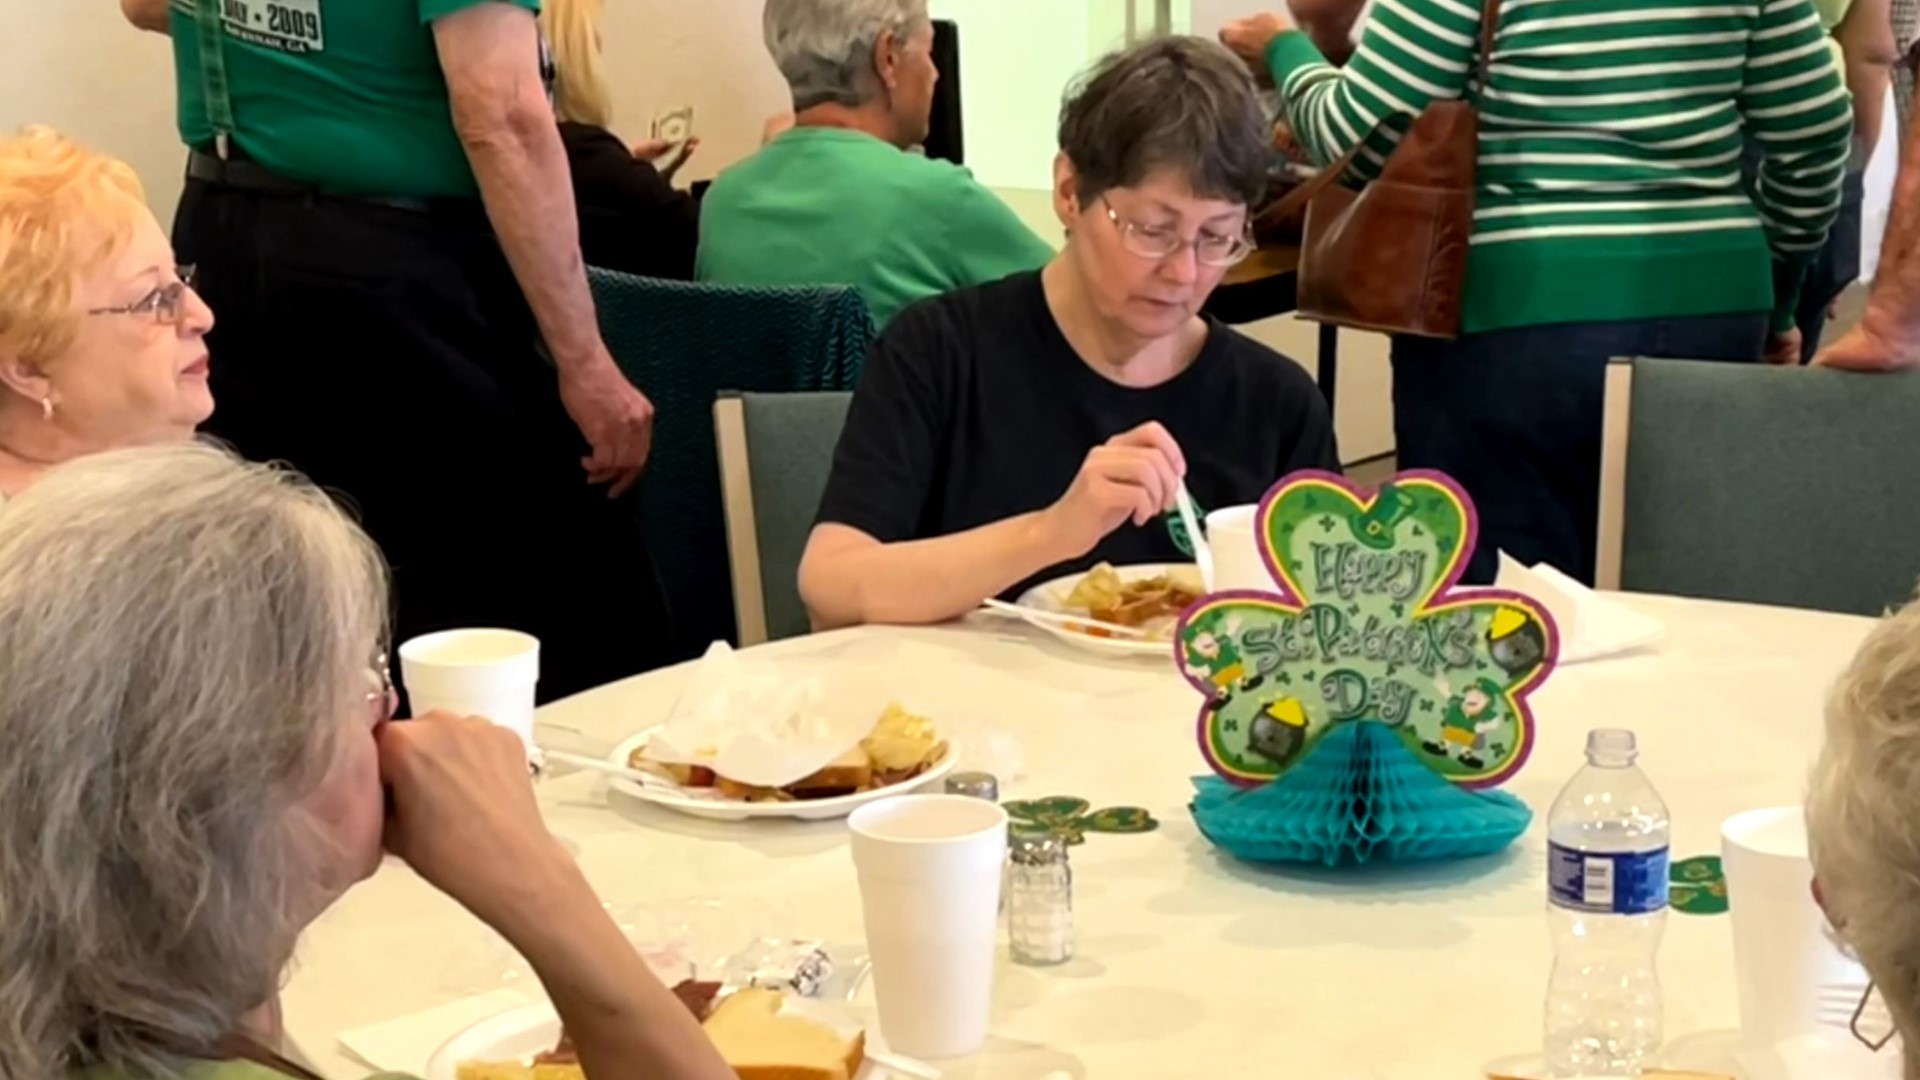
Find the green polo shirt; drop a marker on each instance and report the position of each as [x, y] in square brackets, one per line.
[825, 206]
[346, 95]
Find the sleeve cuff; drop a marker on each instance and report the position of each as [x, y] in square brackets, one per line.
[1288, 52]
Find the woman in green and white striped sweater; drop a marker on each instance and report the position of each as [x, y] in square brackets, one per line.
[1610, 216]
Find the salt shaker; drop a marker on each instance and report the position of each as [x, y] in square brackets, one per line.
[1039, 900]
[974, 785]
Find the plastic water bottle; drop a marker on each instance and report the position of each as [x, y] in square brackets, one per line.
[1607, 887]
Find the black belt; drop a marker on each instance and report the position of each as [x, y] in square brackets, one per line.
[247, 175]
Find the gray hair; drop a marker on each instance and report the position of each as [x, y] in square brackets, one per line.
[184, 638]
[1179, 103]
[1863, 815]
[825, 47]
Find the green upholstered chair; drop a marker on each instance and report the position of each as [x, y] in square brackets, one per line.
[684, 344]
[776, 451]
[1786, 486]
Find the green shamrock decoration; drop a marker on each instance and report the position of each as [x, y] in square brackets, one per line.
[1069, 819]
[1698, 886]
[1364, 624]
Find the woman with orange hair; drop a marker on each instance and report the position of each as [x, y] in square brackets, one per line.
[102, 338]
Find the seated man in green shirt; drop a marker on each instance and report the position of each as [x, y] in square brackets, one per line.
[841, 199]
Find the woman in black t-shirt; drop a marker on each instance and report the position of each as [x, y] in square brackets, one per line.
[1034, 426]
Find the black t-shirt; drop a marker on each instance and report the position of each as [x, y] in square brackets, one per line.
[973, 408]
[632, 219]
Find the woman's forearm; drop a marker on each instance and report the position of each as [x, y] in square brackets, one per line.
[620, 1018]
[848, 578]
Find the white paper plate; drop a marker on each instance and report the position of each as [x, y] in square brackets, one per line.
[718, 809]
[519, 1034]
[1052, 596]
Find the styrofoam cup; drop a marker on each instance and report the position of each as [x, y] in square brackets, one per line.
[929, 869]
[485, 673]
[1793, 979]
[1237, 563]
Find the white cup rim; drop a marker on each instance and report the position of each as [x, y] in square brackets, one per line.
[420, 650]
[1233, 517]
[861, 821]
[1740, 829]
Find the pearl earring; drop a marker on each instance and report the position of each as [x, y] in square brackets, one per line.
[46, 409]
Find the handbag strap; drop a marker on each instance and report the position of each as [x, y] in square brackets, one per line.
[211, 33]
[1294, 200]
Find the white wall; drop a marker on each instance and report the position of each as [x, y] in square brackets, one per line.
[75, 64]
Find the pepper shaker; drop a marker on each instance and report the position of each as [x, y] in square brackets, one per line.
[1039, 900]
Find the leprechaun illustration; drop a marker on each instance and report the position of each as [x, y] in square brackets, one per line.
[1469, 716]
[1279, 730]
[1215, 657]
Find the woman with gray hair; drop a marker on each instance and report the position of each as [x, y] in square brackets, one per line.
[1863, 818]
[199, 761]
[1016, 432]
[840, 198]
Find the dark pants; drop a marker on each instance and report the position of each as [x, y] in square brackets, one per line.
[1836, 267]
[389, 355]
[1514, 415]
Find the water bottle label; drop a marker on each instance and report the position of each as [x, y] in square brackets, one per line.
[1620, 883]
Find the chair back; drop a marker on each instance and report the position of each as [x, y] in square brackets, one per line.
[1774, 485]
[684, 344]
[776, 451]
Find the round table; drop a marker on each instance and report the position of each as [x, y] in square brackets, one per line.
[1189, 964]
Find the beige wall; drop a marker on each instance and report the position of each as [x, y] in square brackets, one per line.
[75, 64]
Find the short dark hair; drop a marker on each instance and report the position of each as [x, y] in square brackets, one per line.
[1180, 103]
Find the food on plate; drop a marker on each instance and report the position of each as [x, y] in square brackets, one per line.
[763, 1044]
[749, 1029]
[900, 747]
[1151, 603]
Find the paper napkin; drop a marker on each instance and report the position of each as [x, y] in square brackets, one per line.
[769, 722]
[1592, 626]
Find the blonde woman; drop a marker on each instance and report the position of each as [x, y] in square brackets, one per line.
[632, 218]
[1862, 821]
[102, 338]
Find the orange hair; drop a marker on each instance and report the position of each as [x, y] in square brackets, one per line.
[64, 211]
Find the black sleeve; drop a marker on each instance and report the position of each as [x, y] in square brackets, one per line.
[898, 429]
[1313, 444]
[632, 219]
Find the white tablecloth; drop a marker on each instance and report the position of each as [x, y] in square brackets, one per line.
[1189, 964]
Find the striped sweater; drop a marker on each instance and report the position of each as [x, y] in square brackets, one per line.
[1610, 140]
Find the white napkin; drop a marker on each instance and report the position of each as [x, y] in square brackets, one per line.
[769, 722]
[405, 1045]
[1591, 625]
[1825, 1055]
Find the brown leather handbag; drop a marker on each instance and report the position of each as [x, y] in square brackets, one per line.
[1392, 256]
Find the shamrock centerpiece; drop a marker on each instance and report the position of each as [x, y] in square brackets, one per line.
[1365, 625]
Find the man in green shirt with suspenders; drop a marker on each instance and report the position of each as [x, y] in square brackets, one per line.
[379, 207]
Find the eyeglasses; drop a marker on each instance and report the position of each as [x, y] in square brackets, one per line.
[1157, 242]
[166, 304]
[385, 696]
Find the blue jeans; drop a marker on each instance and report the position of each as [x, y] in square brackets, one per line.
[1514, 415]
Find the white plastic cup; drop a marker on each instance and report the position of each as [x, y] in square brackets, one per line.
[486, 673]
[929, 869]
[1237, 563]
[1793, 979]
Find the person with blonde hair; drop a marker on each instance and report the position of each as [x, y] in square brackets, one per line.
[102, 338]
[1862, 824]
[632, 218]
[200, 761]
